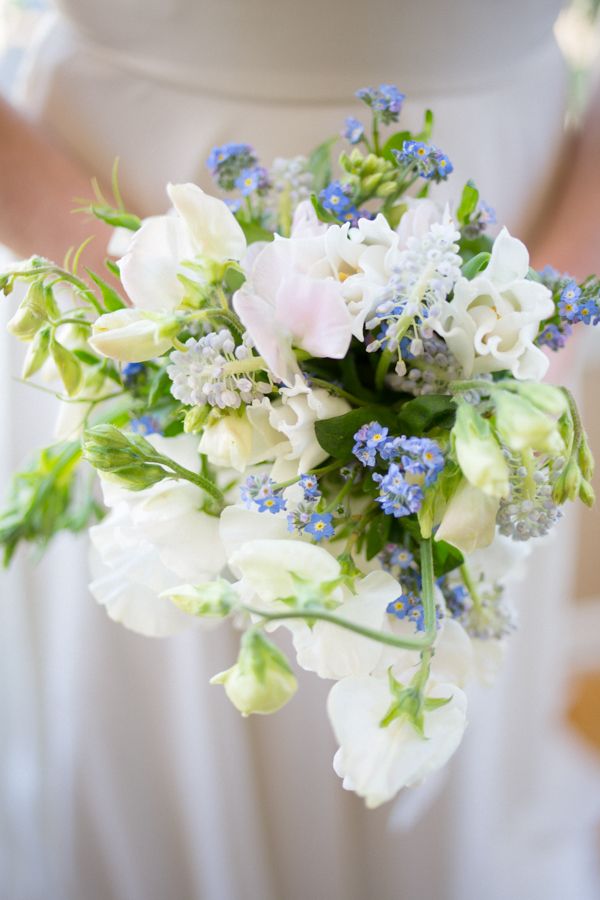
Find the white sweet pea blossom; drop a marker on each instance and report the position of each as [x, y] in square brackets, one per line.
[417, 220]
[133, 335]
[377, 762]
[150, 541]
[294, 418]
[469, 521]
[240, 439]
[203, 230]
[274, 570]
[334, 652]
[492, 321]
[315, 291]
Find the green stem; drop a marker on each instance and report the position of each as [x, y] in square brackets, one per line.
[423, 643]
[417, 643]
[243, 366]
[335, 389]
[193, 477]
[470, 586]
[382, 368]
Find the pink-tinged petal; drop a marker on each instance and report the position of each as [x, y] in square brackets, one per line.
[509, 260]
[280, 258]
[272, 341]
[213, 228]
[149, 268]
[315, 314]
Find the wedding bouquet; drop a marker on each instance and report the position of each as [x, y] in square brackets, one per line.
[315, 405]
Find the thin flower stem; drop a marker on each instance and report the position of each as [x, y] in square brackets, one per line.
[417, 643]
[382, 368]
[470, 586]
[187, 475]
[335, 389]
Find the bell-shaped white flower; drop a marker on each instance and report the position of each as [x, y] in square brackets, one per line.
[334, 652]
[294, 418]
[492, 321]
[377, 761]
[273, 571]
[469, 520]
[152, 540]
[203, 231]
[133, 335]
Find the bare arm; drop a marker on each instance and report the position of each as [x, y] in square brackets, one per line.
[38, 187]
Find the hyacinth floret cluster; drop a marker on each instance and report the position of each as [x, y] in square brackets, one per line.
[429, 372]
[529, 511]
[424, 276]
[292, 177]
[208, 371]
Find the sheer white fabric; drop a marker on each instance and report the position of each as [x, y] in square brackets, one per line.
[124, 774]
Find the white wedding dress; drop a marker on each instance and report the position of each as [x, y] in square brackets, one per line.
[124, 775]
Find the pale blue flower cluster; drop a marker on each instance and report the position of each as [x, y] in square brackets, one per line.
[386, 101]
[260, 491]
[227, 163]
[576, 304]
[424, 160]
[337, 199]
[413, 463]
[526, 514]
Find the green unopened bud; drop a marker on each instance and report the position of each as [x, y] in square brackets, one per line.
[215, 599]
[108, 449]
[478, 452]
[585, 458]
[523, 426]
[31, 314]
[195, 419]
[547, 398]
[345, 162]
[370, 182]
[372, 164]
[261, 681]
[356, 158]
[386, 189]
[566, 486]
[137, 478]
[37, 353]
[69, 367]
[586, 493]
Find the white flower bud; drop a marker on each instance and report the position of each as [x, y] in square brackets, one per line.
[133, 335]
[261, 681]
[478, 453]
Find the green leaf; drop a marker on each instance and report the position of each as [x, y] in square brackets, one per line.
[254, 231]
[233, 278]
[323, 214]
[424, 413]
[445, 558]
[111, 299]
[319, 163]
[159, 385]
[427, 130]
[115, 217]
[377, 535]
[69, 367]
[336, 436]
[475, 264]
[468, 203]
[395, 142]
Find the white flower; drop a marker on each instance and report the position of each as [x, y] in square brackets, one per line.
[238, 440]
[203, 231]
[478, 452]
[492, 321]
[469, 521]
[153, 540]
[133, 335]
[294, 418]
[315, 292]
[377, 762]
[334, 652]
[417, 220]
[274, 570]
